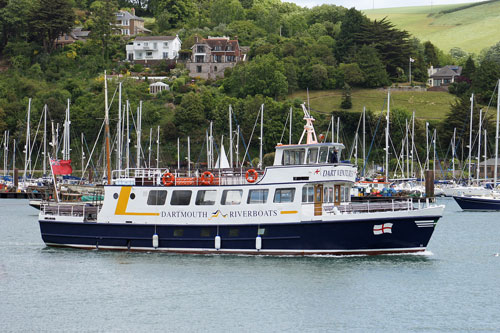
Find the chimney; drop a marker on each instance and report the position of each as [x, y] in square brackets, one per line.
[196, 38]
[132, 11]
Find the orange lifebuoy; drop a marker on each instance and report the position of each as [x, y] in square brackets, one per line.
[207, 178]
[167, 179]
[251, 176]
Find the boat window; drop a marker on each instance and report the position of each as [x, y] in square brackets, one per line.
[180, 198]
[231, 197]
[346, 197]
[323, 154]
[157, 197]
[284, 195]
[333, 155]
[178, 232]
[312, 155]
[206, 197]
[205, 233]
[257, 196]
[328, 194]
[292, 157]
[234, 232]
[261, 231]
[308, 194]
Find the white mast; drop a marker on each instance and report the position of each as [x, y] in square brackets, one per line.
[261, 135]
[453, 152]
[485, 154]
[83, 156]
[27, 153]
[412, 140]
[338, 131]
[495, 172]
[120, 134]
[434, 154]
[158, 149]
[290, 132]
[211, 139]
[178, 154]
[479, 145]
[230, 137]
[149, 148]
[45, 140]
[5, 152]
[189, 157]
[333, 129]
[427, 164]
[237, 145]
[387, 137]
[407, 150]
[364, 142]
[127, 147]
[208, 149]
[470, 137]
[106, 128]
[139, 125]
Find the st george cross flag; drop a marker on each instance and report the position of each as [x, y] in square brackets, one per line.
[61, 167]
[385, 228]
[412, 60]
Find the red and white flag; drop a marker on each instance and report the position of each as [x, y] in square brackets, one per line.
[379, 229]
[61, 167]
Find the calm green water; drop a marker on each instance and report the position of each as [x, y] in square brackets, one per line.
[454, 287]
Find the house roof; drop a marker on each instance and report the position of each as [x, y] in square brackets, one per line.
[148, 38]
[212, 42]
[490, 161]
[448, 71]
[124, 15]
[79, 33]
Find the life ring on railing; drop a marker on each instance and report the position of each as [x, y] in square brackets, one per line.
[251, 176]
[167, 179]
[207, 178]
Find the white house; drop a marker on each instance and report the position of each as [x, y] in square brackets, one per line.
[151, 49]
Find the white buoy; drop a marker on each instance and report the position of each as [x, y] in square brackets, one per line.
[217, 242]
[258, 243]
[155, 241]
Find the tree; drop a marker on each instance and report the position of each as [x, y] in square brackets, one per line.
[469, 68]
[485, 79]
[372, 67]
[346, 97]
[430, 54]
[351, 74]
[264, 75]
[226, 11]
[49, 20]
[13, 23]
[103, 19]
[189, 116]
[174, 13]
[351, 24]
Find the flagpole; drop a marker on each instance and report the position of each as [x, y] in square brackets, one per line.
[55, 181]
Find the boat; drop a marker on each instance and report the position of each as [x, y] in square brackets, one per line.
[298, 206]
[478, 203]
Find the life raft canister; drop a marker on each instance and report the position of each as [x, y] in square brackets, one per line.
[167, 179]
[207, 178]
[251, 176]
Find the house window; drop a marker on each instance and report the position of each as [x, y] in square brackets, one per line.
[149, 54]
[231, 197]
[200, 49]
[257, 196]
[157, 197]
[229, 48]
[217, 58]
[165, 55]
[146, 44]
[138, 44]
[139, 55]
[198, 69]
[231, 58]
[155, 45]
[206, 197]
[199, 58]
[215, 69]
[282, 195]
[217, 48]
[165, 45]
[125, 31]
[180, 198]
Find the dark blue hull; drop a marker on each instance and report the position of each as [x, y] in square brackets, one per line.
[471, 203]
[340, 237]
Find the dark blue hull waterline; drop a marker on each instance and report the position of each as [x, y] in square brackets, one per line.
[340, 237]
[471, 203]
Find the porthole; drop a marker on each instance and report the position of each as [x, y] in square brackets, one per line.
[132, 196]
[115, 195]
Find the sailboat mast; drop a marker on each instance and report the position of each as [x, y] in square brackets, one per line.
[412, 141]
[434, 154]
[453, 152]
[106, 129]
[139, 125]
[470, 137]
[149, 148]
[479, 145]
[27, 153]
[407, 150]
[230, 137]
[364, 142]
[127, 147]
[427, 145]
[485, 153]
[44, 140]
[189, 157]
[387, 137]
[120, 134]
[496, 137]
[290, 131]
[158, 149]
[5, 152]
[83, 155]
[261, 135]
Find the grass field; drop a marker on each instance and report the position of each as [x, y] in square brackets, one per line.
[427, 105]
[471, 29]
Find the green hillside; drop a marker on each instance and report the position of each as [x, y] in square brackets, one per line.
[426, 104]
[471, 28]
